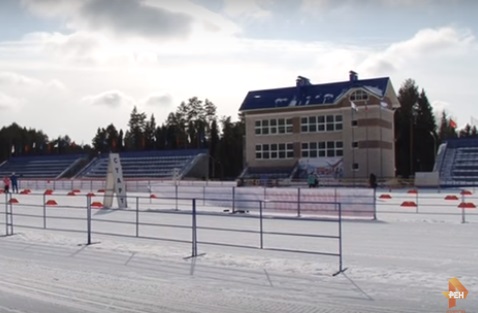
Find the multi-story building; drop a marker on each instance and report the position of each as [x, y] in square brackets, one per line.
[342, 129]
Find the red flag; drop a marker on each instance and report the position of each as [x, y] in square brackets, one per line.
[452, 123]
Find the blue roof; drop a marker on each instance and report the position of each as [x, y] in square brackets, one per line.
[321, 94]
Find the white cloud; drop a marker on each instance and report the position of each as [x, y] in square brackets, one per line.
[158, 99]
[112, 98]
[144, 18]
[425, 47]
[323, 5]
[8, 102]
[15, 79]
[52, 8]
[245, 8]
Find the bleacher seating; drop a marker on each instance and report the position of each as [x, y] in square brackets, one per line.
[45, 166]
[152, 164]
[459, 165]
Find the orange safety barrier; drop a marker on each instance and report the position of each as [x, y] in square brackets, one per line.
[101, 190]
[467, 205]
[72, 193]
[48, 192]
[153, 196]
[51, 202]
[90, 194]
[13, 200]
[413, 191]
[465, 192]
[385, 196]
[97, 204]
[408, 204]
[451, 197]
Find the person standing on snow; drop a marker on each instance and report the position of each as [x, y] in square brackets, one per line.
[14, 181]
[6, 184]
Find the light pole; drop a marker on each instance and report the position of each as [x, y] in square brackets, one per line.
[434, 148]
[413, 117]
[214, 161]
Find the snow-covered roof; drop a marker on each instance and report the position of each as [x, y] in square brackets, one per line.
[305, 95]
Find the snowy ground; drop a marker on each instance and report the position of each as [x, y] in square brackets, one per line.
[400, 263]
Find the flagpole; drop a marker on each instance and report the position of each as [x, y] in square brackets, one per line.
[381, 151]
[366, 138]
[353, 148]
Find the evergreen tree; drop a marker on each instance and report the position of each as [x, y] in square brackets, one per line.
[404, 124]
[149, 133]
[112, 138]
[134, 137]
[100, 142]
[120, 142]
[214, 166]
[424, 135]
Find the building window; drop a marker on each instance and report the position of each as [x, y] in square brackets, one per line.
[258, 152]
[355, 144]
[321, 123]
[273, 129]
[274, 151]
[339, 148]
[265, 127]
[354, 123]
[281, 126]
[359, 95]
[288, 126]
[305, 149]
[273, 126]
[322, 149]
[355, 166]
[289, 151]
[258, 128]
[338, 122]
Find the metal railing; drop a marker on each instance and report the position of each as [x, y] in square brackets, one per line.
[183, 220]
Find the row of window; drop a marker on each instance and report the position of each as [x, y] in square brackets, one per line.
[309, 150]
[310, 124]
[321, 123]
[273, 126]
[274, 151]
[322, 149]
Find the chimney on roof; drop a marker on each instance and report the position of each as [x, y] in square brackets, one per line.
[353, 76]
[302, 81]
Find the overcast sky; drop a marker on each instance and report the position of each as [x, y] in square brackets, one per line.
[68, 67]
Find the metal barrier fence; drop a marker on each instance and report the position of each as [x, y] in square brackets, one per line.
[182, 220]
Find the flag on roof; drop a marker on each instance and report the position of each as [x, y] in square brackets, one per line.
[353, 106]
[452, 123]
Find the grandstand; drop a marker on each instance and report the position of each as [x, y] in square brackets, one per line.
[152, 164]
[457, 162]
[45, 166]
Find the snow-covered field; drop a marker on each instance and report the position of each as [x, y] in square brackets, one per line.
[400, 263]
